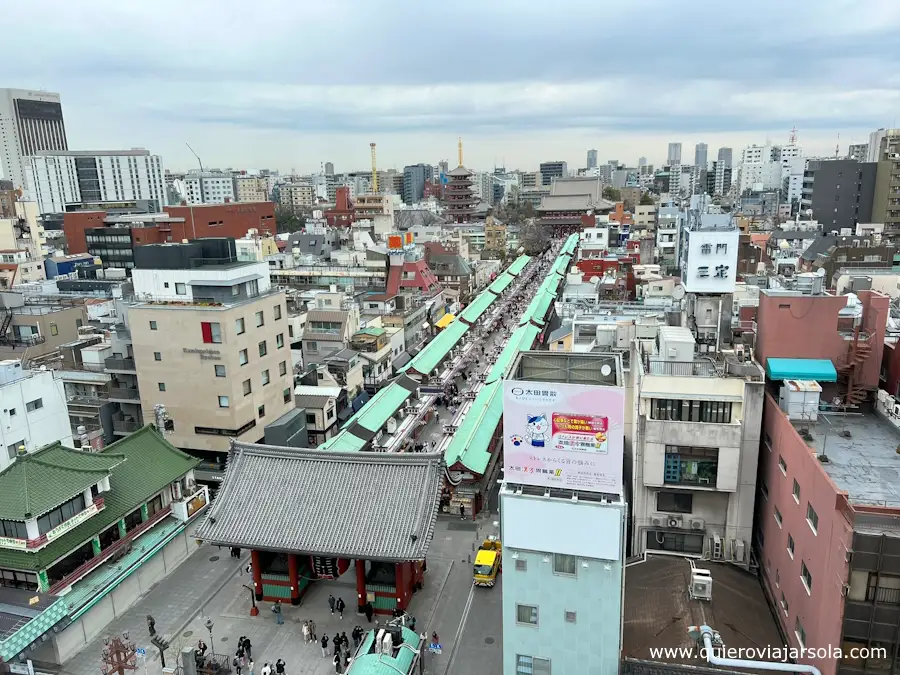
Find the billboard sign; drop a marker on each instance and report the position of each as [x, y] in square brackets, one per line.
[564, 435]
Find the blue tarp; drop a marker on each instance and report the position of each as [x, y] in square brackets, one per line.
[821, 370]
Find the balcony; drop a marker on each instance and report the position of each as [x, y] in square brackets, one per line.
[697, 468]
[679, 368]
[191, 504]
[124, 394]
[124, 427]
[125, 365]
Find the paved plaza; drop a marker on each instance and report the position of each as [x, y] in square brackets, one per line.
[210, 584]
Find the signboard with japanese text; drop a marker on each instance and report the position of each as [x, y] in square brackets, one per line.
[564, 435]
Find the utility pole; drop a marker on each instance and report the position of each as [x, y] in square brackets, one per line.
[119, 655]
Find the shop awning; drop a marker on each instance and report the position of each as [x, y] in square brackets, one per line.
[445, 320]
[820, 370]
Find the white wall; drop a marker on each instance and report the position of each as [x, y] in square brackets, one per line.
[38, 428]
[710, 249]
[153, 282]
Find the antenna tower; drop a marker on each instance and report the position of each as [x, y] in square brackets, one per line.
[793, 137]
[374, 170]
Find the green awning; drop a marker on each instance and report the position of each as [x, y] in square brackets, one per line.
[478, 306]
[375, 414]
[436, 350]
[501, 283]
[518, 265]
[820, 370]
[471, 443]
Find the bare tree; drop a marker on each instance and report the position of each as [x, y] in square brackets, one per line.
[407, 219]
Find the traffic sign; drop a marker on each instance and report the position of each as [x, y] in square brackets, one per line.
[140, 651]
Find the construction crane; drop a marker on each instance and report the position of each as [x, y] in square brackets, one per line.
[374, 170]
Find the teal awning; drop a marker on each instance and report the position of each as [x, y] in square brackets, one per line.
[821, 370]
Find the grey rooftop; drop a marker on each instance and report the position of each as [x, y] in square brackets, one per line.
[339, 504]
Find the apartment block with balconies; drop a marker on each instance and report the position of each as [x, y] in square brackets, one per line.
[695, 445]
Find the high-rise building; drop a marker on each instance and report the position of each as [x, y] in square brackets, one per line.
[839, 192]
[591, 159]
[414, 178]
[874, 149]
[858, 152]
[642, 161]
[551, 170]
[885, 208]
[674, 156]
[700, 152]
[71, 180]
[723, 171]
[208, 187]
[30, 121]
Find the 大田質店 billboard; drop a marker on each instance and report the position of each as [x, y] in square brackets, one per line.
[564, 435]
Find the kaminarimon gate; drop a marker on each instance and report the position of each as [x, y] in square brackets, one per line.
[306, 515]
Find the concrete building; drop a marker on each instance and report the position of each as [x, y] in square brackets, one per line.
[550, 170]
[297, 196]
[695, 448]
[208, 187]
[591, 159]
[30, 121]
[645, 215]
[229, 373]
[69, 180]
[563, 591]
[723, 170]
[886, 205]
[708, 249]
[251, 188]
[668, 237]
[700, 155]
[673, 157]
[34, 410]
[414, 178]
[39, 326]
[828, 505]
[840, 192]
[858, 152]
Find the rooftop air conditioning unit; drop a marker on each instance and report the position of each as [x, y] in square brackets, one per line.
[701, 585]
[675, 522]
[698, 524]
[658, 521]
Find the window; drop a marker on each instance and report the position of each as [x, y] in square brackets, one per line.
[161, 386]
[805, 577]
[777, 578]
[778, 518]
[527, 614]
[764, 489]
[310, 418]
[277, 310]
[691, 466]
[532, 665]
[287, 395]
[13, 529]
[570, 616]
[790, 546]
[239, 326]
[784, 604]
[220, 371]
[212, 332]
[565, 564]
[223, 401]
[157, 356]
[247, 388]
[521, 565]
[153, 325]
[180, 289]
[767, 439]
[13, 449]
[799, 632]
[282, 368]
[329, 414]
[265, 377]
[675, 502]
[261, 411]
[812, 518]
[260, 319]
[782, 465]
[279, 340]
[679, 410]
[23, 580]
[290, 330]
[263, 349]
[12, 412]
[36, 404]
[235, 290]
[242, 357]
[61, 514]
[796, 491]
[312, 346]
[54, 329]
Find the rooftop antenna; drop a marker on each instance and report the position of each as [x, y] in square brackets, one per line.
[793, 137]
[200, 177]
[837, 147]
[374, 170]
[459, 144]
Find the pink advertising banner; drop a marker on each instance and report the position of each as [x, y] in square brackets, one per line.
[564, 435]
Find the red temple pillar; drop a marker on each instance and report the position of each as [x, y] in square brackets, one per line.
[257, 574]
[294, 577]
[401, 577]
[361, 584]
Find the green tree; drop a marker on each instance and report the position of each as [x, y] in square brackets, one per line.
[646, 199]
[612, 194]
[286, 220]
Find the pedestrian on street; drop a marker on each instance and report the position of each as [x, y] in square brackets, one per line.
[250, 667]
[324, 646]
[412, 623]
[276, 608]
[266, 670]
[355, 635]
[248, 648]
[346, 662]
[344, 640]
[312, 630]
[337, 663]
[202, 648]
[279, 667]
[238, 665]
[368, 610]
[462, 512]
[249, 568]
[340, 607]
[331, 602]
[336, 641]
[305, 630]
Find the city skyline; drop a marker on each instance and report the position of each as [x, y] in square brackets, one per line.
[158, 83]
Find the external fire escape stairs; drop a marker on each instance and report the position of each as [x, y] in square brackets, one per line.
[850, 370]
[5, 320]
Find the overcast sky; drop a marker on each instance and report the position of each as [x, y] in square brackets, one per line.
[289, 84]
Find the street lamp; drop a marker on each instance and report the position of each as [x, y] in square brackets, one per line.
[209, 626]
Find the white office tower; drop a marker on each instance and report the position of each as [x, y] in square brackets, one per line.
[563, 516]
[700, 155]
[30, 121]
[674, 156]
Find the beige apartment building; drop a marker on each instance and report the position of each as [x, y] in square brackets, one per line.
[210, 343]
[297, 196]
